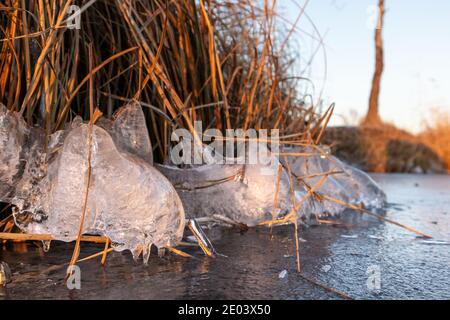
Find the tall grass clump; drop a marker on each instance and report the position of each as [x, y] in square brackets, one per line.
[209, 60]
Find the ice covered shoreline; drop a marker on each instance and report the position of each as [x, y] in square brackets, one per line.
[137, 204]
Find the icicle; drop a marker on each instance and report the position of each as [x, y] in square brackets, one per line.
[161, 252]
[5, 274]
[46, 245]
[146, 253]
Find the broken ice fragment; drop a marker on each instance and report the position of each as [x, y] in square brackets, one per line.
[436, 242]
[283, 274]
[326, 268]
[355, 236]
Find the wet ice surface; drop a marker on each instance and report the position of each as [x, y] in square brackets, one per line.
[410, 268]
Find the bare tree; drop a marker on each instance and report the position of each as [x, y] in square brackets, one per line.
[373, 117]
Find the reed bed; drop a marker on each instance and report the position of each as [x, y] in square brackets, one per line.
[214, 61]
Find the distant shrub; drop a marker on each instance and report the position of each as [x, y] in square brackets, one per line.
[436, 134]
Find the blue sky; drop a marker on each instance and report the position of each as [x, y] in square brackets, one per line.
[417, 53]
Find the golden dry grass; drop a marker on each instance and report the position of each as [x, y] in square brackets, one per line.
[385, 148]
[436, 134]
[209, 60]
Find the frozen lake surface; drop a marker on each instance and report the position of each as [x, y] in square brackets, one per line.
[362, 257]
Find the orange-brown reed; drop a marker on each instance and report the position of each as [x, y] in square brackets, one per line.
[208, 60]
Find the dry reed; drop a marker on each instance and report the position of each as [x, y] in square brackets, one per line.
[214, 61]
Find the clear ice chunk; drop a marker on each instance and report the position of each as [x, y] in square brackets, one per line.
[243, 193]
[14, 136]
[129, 131]
[344, 183]
[129, 201]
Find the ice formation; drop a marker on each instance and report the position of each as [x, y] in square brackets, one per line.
[245, 193]
[129, 201]
[14, 138]
[129, 131]
[344, 183]
[134, 203]
[242, 193]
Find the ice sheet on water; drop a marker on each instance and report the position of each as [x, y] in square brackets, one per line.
[128, 201]
[344, 183]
